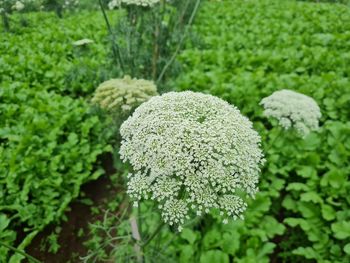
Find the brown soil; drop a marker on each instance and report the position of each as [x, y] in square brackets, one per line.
[78, 218]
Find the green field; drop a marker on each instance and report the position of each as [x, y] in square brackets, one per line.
[52, 137]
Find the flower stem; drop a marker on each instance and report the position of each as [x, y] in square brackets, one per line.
[154, 234]
[5, 20]
[274, 140]
[171, 60]
[115, 47]
[29, 257]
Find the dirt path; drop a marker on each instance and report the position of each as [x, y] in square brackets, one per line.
[79, 216]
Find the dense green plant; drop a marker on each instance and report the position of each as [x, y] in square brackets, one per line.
[48, 148]
[43, 53]
[147, 38]
[7, 7]
[250, 50]
[301, 214]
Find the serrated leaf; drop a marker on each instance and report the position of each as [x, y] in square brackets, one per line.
[328, 212]
[216, 256]
[189, 235]
[341, 229]
[347, 248]
[311, 197]
[307, 252]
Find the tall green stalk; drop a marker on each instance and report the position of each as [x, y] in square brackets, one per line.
[29, 257]
[179, 46]
[115, 47]
[5, 21]
[153, 235]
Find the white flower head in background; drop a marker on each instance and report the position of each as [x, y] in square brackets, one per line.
[113, 4]
[140, 2]
[121, 96]
[293, 110]
[83, 42]
[70, 4]
[191, 153]
[18, 6]
[145, 3]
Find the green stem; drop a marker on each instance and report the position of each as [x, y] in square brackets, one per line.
[5, 20]
[171, 60]
[274, 140]
[139, 220]
[154, 234]
[115, 47]
[20, 252]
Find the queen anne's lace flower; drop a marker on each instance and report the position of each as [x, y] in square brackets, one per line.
[121, 96]
[293, 110]
[116, 3]
[191, 153]
[18, 6]
[83, 42]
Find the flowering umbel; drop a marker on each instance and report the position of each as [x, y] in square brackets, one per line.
[191, 153]
[121, 96]
[145, 3]
[293, 110]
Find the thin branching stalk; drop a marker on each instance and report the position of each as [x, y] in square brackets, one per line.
[180, 22]
[6, 22]
[29, 257]
[178, 48]
[272, 142]
[132, 35]
[115, 47]
[139, 221]
[155, 54]
[139, 39]
[153, 235]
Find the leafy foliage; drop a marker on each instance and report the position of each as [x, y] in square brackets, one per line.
[42, 54]
[250, 50]
[48, 147]
[146, 39]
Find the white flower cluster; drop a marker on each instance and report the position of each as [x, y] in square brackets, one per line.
[18, 6]
[116, 3]
[191, 153]
[9, 6]
[83, 42]
[67, 4]
[293, 110]
[121, 96]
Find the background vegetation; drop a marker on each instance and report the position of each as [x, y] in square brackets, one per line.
[51, 137]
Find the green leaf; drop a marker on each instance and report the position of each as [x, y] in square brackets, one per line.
[311, 197]
[230, 242]
[266, 249]
[307, 252]
[341, 229]
[4, 222]
[289, 203]
[212, 239]
[335, 178]
[297, 187]
[308, 210]
[347, 248]
[293, 222]
[307, 172]
[328, 212]
[216, 256]
[187, 253]
[189, 235]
